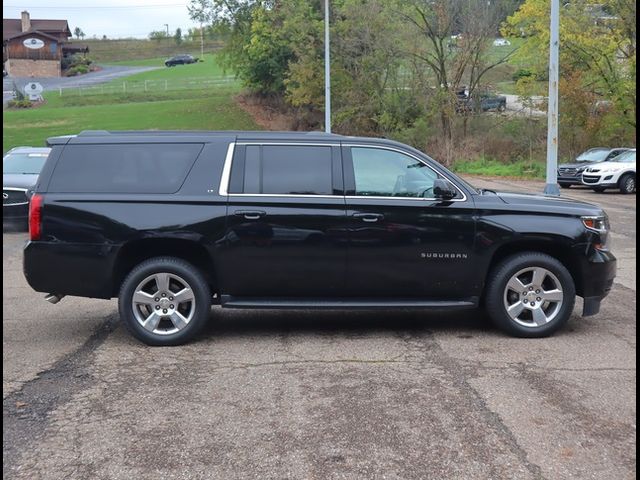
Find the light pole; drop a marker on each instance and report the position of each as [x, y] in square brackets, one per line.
[327, 71]
[167, 25]
[551, 187]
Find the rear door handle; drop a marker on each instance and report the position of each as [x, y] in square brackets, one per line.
[369, 217]
[250, 214]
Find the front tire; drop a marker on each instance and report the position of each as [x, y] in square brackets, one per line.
[164, 301]
[627, 184]
[530, 295]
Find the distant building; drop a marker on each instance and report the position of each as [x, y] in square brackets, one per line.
[35, 48]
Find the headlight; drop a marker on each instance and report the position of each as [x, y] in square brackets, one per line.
[598, 224]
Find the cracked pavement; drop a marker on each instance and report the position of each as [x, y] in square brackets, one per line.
[321, 395]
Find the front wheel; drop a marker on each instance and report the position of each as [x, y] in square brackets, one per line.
[627, 184]
[530, 295]
[164, 301]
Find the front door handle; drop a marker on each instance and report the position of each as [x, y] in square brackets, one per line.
[369, 217]
[250, 214]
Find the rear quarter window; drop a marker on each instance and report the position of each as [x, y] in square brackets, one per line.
[123, 168]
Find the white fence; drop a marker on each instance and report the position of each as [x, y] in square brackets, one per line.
[147, 86]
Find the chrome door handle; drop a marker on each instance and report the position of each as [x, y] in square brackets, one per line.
[250, 214]
[369, 217]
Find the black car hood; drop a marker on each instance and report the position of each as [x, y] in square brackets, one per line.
[548, 204]
[17, 180]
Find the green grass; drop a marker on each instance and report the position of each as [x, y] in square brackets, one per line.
[495, 168]
[211, 108]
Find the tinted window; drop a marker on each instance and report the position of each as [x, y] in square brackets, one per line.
[627, 157]
[130, 168]
[385, 173]
[288, 169]
[24, 163]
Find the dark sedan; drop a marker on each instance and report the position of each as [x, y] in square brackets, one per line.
[20, 169]
[571, 173]
[180, 60]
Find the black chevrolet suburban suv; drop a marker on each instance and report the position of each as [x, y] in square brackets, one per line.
[171, 222]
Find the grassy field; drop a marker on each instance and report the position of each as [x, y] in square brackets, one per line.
[496, 168]
[193, 109]
[108, 51]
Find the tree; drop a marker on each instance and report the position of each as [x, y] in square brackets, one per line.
[451, 40]
[177, 37]
[597, 47]
[78, 32]
[158, 35]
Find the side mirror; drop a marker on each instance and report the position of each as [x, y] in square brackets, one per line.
[443, 189]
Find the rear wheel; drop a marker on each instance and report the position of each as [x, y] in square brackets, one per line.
[530, 295]
[627, 184]
[164, 301]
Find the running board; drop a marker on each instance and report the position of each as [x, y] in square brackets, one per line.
[229, 301]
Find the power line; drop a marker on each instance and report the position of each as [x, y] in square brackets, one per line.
[83, 7]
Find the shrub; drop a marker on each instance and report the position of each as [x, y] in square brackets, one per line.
[19, 103]
[77, 70]
[74, 61]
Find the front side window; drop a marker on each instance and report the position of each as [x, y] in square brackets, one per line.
[288, 170]
[386, 173]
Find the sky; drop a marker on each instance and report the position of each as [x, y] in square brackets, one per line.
[113, 18]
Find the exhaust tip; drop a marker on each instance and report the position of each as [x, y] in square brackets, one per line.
[53, 298]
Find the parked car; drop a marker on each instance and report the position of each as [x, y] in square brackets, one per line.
[501, 42]
[481, 102]
[170, 222]
[180, 60]
[619, 173]
[20, 169]
[571, 173]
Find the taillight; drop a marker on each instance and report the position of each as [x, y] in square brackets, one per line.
[35, 217]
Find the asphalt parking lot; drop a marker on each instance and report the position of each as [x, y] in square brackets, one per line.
[321, 395]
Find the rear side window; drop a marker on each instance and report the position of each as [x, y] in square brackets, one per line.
[123, 168]
[288, 170]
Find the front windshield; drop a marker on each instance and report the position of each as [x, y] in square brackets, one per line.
[23, 163]
[593, 155]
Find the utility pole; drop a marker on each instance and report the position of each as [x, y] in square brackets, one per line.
[327, 71]
[551, 188]
[167, 25]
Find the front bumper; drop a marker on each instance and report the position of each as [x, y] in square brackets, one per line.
[596, 275]
[599, 180]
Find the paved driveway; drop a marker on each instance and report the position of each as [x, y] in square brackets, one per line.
[321, 395]
[107, 74]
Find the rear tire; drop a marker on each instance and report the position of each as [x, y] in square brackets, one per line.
[627, 184]
[530, 295]
[164, 301]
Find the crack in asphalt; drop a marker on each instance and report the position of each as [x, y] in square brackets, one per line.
[460, 379]
[25, 412]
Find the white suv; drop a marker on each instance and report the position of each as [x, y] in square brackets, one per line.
[619, 173]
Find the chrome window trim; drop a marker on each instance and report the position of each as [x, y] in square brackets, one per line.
[15, 189]
[226, 173]
[397, 150]
[223, 190]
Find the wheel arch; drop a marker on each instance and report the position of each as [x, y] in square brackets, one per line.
[559, 250]
[137, 251]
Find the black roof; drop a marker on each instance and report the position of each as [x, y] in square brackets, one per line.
[202, 136]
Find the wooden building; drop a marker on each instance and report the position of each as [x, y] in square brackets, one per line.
[35, 48]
